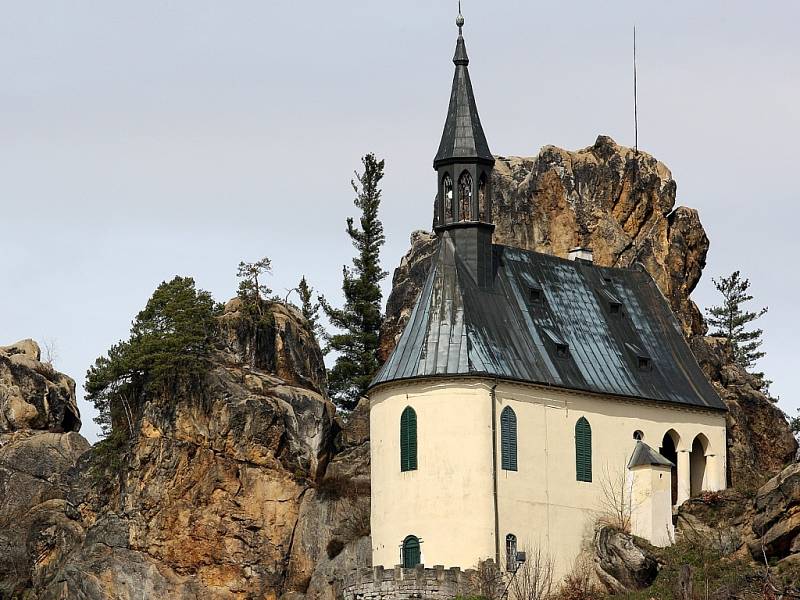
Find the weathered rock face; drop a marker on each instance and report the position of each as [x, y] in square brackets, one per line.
[32, 394]
[606, 197]
[236, 492]
[39, 444]
[776, 524]
[759, 441]
[287, 349]
[332, 536]
[622, 205]
[764, 527]
[621, 565]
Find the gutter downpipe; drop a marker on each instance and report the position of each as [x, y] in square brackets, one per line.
[493, 398]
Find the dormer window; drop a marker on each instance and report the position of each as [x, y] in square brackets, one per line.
[561, 347]
[535, 295]
[642, 360]
[612, 302]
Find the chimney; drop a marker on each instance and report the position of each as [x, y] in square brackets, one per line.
[582, 254]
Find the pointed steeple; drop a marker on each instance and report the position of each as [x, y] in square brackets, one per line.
[463, 136]
[464, 163]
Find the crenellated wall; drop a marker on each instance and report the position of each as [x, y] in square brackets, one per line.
[419, 583]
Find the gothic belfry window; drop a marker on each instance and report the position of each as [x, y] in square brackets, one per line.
[447, 190]
[465, 196]
[482, 208]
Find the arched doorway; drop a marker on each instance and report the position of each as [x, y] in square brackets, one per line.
[697, 464]
[669, 451]
[411, 554]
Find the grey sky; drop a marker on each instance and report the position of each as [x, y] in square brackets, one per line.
[140, 140]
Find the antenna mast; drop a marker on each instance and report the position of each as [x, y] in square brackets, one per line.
[635, 99]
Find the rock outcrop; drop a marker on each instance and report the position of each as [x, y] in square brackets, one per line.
[251, 489]
[33, 395]
[776, 524]
[39, 445]
[761, 530]
[622, 205]
[620, 564]
[759, 441]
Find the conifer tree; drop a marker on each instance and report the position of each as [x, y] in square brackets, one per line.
[730, 320]
[309, 308]
[253, 292]
[360, 319]
[170, 345]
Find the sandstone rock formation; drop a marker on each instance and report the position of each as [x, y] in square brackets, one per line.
[760, 530]
[32, 394]
[39, 444]
[622, 205]
[776, 524]
[759, 441]
[244, 492]
[620, 564]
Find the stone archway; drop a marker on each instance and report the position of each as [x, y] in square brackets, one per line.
[698, 465]
[669, 450]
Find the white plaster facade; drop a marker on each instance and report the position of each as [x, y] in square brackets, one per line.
[449, 502]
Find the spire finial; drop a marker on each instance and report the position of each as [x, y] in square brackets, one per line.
[459, 18]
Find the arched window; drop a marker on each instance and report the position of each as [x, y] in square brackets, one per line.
[482, 206]
[411, 555]
[583, 450]
[508, 439]
[449, 201]
[511, 552]
[465, 196]
[408, 440]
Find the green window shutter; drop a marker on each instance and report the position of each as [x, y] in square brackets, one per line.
[411, 554]
[583, 450]
[508, 439]
[408, 440]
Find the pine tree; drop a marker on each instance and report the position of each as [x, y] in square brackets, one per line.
[252, 292]
[794, 424]
[170, 345]
[730, 320]
[360, 318]
[309, 308]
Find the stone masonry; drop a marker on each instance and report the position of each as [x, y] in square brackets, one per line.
[419, 583]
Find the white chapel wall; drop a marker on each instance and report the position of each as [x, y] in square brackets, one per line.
[448, 502]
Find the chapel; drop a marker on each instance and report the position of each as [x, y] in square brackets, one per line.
[523, 386]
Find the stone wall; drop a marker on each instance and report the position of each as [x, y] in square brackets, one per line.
[419, 583]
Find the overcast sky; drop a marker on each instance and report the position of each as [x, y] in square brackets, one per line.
[140, 140]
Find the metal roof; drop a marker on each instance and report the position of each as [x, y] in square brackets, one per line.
[645, 455]
[507, 331]
[463, 136]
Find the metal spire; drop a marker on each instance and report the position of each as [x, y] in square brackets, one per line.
[463, 136]
[635, 99]
[461, 48]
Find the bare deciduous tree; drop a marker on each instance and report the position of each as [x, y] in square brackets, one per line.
[488, 580]
[616, 503]
[533, 579]
[50, 354]
[579, 584]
